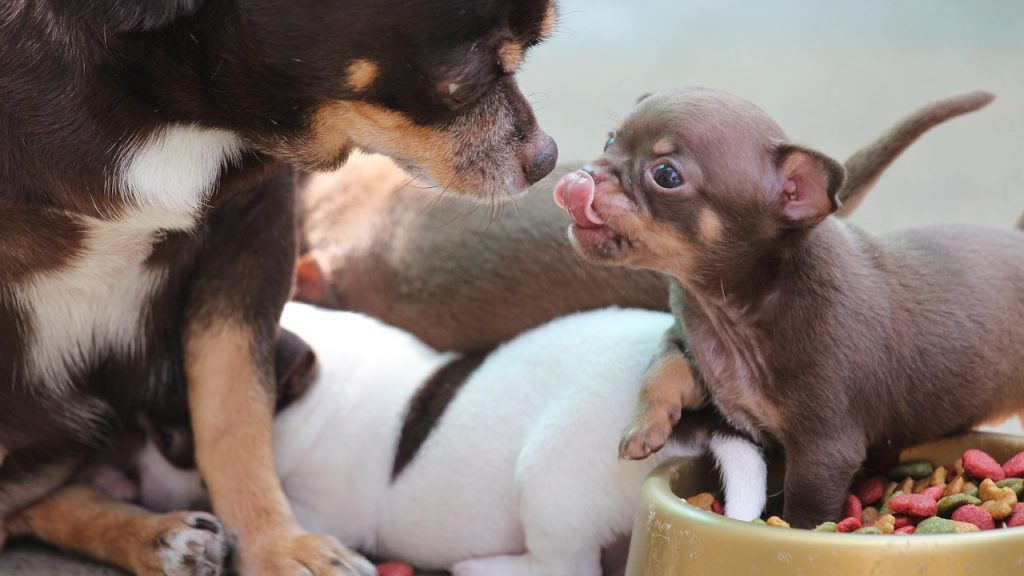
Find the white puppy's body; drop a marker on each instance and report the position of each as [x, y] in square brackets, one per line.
[519, 477]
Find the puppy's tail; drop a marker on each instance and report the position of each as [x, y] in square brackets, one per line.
[868, 163]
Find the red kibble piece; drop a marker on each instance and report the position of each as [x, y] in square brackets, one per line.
[950, 474]
[981, 465]
[975, 515]
[1014, 467]
[902, 520]
[853, 507]
[848, 525]
[906, 530]
[869, 490]
[717, 508]
[395, 569]
[919, 505]
[1017, 517]
[935, 492]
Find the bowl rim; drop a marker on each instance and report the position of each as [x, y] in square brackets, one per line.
[661, 495]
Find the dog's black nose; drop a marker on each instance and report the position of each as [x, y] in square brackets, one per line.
[540, 161]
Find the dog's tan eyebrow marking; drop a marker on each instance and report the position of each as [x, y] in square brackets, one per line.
[664, 146]
[361, 74]
[510, 56]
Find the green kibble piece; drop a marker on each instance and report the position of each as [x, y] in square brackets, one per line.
[1016, 483]
[885, 503]
[825, 527]
[916, 469]
[950, 503]
[759, 522]
[935, 525]
[972, 490]
[867, 530]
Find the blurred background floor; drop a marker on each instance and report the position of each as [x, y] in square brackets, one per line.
[833, 74]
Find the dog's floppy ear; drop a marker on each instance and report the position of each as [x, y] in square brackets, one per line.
[295, 367]
[139, 15]
[809, 184]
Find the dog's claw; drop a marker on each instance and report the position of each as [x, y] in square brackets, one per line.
[194, 545]
[647, 433]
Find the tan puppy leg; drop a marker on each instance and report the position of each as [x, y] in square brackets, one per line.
[231, 417]
[79, 519]
[669, 387]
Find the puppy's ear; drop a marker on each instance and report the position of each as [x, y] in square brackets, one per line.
[311, 283]
[295, 368]
[138, 15]
[810, 182]
[643, 97]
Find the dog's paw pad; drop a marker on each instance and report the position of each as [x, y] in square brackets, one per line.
[195, 546]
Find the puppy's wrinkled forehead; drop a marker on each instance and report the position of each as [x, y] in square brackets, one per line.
[699, 121]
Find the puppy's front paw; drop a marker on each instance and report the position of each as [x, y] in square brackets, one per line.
[649, 431]
[188, 544]
[302, 554]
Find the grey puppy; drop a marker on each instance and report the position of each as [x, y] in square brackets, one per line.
[807, 331]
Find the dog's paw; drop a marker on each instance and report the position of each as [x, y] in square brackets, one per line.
[303, 554]
[648, 432]
[189, 544]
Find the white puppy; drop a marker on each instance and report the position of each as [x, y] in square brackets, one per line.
[520, 474]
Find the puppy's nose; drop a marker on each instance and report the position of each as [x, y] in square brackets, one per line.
[540, 158]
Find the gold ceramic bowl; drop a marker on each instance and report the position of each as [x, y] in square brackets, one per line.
[674, 538]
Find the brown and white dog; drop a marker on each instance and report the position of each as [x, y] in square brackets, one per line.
[807, 331]
[148, 238]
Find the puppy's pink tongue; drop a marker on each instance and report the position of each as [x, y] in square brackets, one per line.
[575, 193]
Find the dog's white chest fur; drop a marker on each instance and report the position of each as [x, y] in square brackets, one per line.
[95, 303]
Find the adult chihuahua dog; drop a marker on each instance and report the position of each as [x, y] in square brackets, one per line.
[807, 331]
[148, 239]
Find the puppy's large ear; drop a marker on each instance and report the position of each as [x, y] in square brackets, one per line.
[118, 16]
[810, 182]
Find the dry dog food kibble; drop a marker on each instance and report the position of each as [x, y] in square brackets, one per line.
[975, 493]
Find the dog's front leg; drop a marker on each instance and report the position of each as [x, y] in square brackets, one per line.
[669, 387]
[79, 519]
[241, 282]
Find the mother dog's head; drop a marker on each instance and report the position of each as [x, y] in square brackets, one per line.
[428, 82]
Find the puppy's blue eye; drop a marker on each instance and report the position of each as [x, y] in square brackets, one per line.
[610, 140]
[666, 176]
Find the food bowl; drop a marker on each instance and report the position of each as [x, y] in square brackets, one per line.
[673, 538]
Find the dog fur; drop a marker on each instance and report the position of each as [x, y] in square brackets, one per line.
[504, 484]
[807, 331]
[149, 235]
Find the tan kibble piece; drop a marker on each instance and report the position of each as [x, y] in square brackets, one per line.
[954, 487]
[869, 515]
[939, 476]
[998, 502]
[889, 489]
[886, 524]
[962, 527]
[907, 485]
[922, 484]
[777, 522]
[958, 467]
[704, 500]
